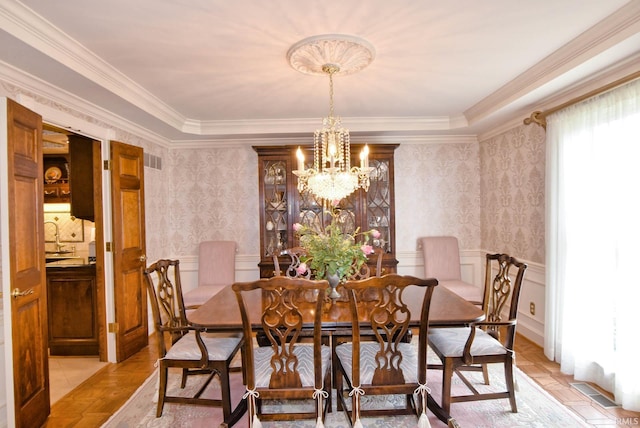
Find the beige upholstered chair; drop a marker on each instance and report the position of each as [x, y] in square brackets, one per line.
[216, 269]
[188, 348]
[286, 367]
[378, 360]
[442, 261]
[486, 342]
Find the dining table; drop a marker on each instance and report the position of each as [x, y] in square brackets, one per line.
[221, 314]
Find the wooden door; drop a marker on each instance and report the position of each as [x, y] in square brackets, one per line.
[27, 266]
[129, 259]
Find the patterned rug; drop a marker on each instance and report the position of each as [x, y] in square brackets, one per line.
[536, 408]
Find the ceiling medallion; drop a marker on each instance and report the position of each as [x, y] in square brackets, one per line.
[349, 53]
[331, 177]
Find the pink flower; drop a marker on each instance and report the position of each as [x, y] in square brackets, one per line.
[297, 227]
[335, 202]
[302, 268]
[367, 249]
[375, 233]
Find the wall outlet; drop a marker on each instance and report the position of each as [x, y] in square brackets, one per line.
[532, 308]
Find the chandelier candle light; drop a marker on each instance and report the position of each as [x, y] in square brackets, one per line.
[332, 177]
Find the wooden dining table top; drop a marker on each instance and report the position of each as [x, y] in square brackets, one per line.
[221, 312]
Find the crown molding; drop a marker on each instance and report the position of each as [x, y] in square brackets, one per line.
[617, 27]
[24, 24]
[69, 105]
[615, 72]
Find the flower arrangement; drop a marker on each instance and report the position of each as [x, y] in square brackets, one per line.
[330, 251]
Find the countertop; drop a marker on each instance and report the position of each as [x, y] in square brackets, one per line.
[69, 263]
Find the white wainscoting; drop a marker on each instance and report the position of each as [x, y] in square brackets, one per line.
[411, 263]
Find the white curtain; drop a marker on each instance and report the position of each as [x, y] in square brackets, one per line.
[592, 325]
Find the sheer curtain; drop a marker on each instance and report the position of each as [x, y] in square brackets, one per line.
[593, 242]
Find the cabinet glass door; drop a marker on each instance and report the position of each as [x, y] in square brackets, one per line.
[379, 204]
[275, 226]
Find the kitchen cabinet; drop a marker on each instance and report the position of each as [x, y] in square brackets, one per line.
[56, 178]
[72, 310]
[281, 204]
[81, 157]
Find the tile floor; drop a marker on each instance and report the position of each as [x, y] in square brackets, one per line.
[65, 373]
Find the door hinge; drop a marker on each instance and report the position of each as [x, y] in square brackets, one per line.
[107, 165]
[113, 327]
[107, 246]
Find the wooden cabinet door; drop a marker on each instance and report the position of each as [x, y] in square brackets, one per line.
[81, 158]
[26, 268]
[73, 310]
[129, 256]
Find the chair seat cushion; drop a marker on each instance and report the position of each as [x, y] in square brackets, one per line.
[199, 295]
[450, 342]
[220, 348]
[463, 289]
[304, 352]
[368, 350]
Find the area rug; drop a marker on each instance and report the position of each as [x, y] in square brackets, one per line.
[536, 408]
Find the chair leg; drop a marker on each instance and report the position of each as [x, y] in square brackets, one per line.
[485, 374]
[162, 389]
[327, 387]
[447, 376]
[183, 383]
[338, 386]
[225, 390]
[508, 374]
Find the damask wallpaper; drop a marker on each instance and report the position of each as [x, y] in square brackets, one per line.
[488, 194]
[437, 193]
[213, 196]
[512, 170]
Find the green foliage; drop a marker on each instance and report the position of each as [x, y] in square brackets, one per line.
[332, 251]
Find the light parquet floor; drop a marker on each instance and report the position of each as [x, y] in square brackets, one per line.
[96, 399]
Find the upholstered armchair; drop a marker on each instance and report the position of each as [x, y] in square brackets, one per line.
[442, 261]
[216, 269]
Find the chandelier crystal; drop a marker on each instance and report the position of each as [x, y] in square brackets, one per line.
[332, 177]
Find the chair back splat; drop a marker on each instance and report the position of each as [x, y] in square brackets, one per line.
[286, 366]
[199, 356]
[379, 360]
[292, 255]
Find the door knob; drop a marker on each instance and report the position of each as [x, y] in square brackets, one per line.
[17, 293]
[143, 258]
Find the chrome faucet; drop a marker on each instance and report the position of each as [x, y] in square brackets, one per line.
[58, 244]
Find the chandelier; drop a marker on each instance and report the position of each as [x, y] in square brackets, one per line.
[332, 177]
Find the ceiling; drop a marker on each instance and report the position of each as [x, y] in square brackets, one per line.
[214, 70]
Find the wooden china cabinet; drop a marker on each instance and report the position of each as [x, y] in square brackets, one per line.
[281, 205]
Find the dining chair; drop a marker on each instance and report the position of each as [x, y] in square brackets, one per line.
[292, 256]
[364, 271]
[216, 269]
[380, 361]
[489, 341]
[441, 256]
[289, 368]
[185, 347]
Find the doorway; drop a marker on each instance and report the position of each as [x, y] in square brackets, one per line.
[76, 350]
